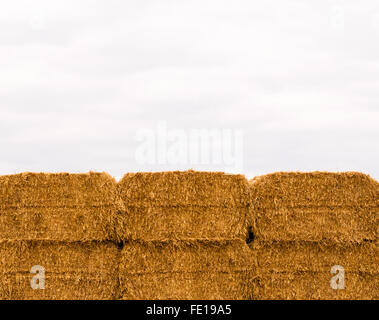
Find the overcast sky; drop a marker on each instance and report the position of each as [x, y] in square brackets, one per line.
[82, 81]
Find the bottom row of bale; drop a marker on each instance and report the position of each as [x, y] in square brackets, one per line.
[139, 270]
[200, 270]
[317, 271]
[70, 270]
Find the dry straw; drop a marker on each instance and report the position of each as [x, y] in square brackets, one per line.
[162, 223]
[315, 206]
[317, 224]
[72, 270]
[188, 188]
[306, 223]
[188, 231]
[63, 207]
[187, 286]
[296, 189]
[58, 287]
[282, 257]
[301, 270]
[186, 270]
[183, 205]
[316, 286]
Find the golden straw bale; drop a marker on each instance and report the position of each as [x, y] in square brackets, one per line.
[189, 188]
[76, 286]
[316, 224]
[316, 286]
[186, 270]
[184, 206]
[315, 206]
[209, 285]
[162, 223]
[322, 189]
[72, 270]
[185, 256]
[63, 207]
[281, 257]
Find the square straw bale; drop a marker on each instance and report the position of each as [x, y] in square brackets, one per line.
[317, 224]
[188, 188]
[281, 257]
[186, 270]
[72, 270]
[316, 286]
[315, 206]
[62, 207]
[183, 223]
[322, 189]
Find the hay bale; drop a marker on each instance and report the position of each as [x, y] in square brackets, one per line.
[72, 270]
[63, 207]
[161, 223]
[187, 286]
[316, 286]
[188, 188]
[317, 224]
[297, 189]
[315, 206]
[302, 270]
[183, 205]
[58, 287]
[186, 270]
[287, 257]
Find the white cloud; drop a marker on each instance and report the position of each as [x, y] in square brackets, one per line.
[79, 79]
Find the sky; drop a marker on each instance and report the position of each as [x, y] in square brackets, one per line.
[235, 86]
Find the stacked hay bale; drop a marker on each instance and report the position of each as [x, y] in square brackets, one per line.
[63, 223]
[184, 236]
[306, 223]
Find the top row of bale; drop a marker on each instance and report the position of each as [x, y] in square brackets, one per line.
[189, 188]
[315, 206]
[182, 205]
[297, 189]
[62, 207]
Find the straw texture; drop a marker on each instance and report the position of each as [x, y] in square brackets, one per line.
[315, 206]
[182, 235]
[316, 286]
[302, 270]
[183, 206]
[73, 270]
[297, 189]
[306, 223]
[62, 207]
[183, 223]
[59, 287]
[282, 257]
[185, 188]
[186, 270]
